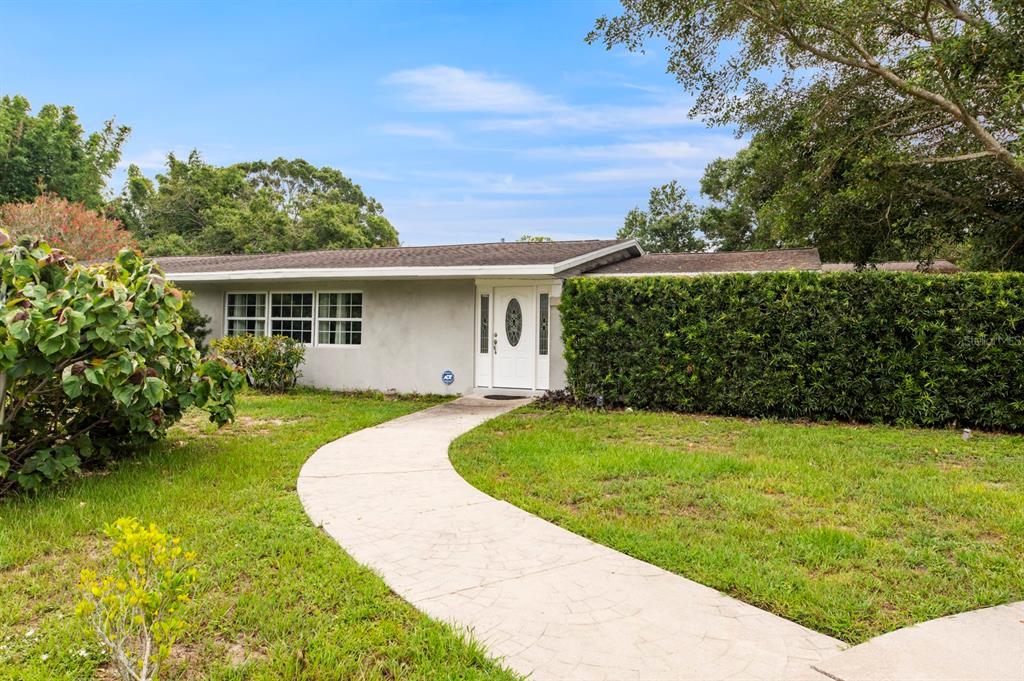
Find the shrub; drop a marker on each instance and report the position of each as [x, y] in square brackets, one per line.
[863, 346]
[71, 227]
[135, 610]
[270, 363]
[93, 362]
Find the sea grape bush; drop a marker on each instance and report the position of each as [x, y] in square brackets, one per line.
[902, 348]
[270, 363]
[93, 362]
[136, 609]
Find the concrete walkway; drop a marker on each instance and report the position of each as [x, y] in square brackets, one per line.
[543, 600]
[986, 644]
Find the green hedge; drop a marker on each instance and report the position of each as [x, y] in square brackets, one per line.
[861, 346]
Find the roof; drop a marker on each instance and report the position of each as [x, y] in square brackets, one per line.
[936, 267]
[505, 258]
[714, 263]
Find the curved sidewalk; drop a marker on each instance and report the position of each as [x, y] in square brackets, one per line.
[543, 600]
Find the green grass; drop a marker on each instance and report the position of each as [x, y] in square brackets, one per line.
[277, 597]
[850, 530]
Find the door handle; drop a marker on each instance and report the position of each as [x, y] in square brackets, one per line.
[494, 342]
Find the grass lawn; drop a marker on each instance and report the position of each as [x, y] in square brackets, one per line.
[277, 597]
[850, 530]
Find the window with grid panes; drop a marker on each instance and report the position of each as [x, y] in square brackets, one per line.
[340, 318]
[291, 315]
[246, 314]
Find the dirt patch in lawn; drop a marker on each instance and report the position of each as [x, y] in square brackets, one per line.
[195, 424]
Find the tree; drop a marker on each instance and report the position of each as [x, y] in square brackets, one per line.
[50, 152]
[93, 362]
[71, 227]
[254, 207]
[736, 190]
[531, 238]
[816, 178]
[938, 86]
[669, 225]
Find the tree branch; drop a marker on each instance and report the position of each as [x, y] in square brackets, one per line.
[958, 12]
[870, 63]
[966, 203]
[946, 159]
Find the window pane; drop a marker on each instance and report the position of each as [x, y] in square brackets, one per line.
[339, 333]
[352, 305]
[485, 323]
[246, 314]
[246, 305]
[328, 305]
[300, 330]
[295, 305]
[291, 315]
[545, 311]
[513, 322]
[340, 306]
[246, 327]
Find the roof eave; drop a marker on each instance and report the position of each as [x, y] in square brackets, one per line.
[424, 272]
[453, 272]
[695, 274]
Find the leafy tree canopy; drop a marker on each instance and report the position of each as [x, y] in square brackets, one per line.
[535, 238]
[880, 128]
[669, 225]
[809, 183]
[50, 152]
[254, 207]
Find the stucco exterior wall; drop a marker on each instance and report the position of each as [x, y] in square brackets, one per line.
[412, 332]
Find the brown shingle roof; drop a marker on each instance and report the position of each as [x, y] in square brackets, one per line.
[461, 255]
[708, 263]
[937, 267]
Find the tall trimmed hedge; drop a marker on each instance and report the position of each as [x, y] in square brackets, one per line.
[861, 346]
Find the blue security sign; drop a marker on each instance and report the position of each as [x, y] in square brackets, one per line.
[448, 377]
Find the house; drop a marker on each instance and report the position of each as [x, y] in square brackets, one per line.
[430, 319]
[935, 267]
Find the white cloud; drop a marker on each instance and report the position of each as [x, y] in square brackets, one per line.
[420, 131]
[520, 108]
[599, 119]
[492, 183]
[447, 88]
[647, 173]
[362, 174]
[153, 159]
[707, 147]
[424, 220]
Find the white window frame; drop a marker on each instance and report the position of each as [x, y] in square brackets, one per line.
[266, 310]
[361, 319]
[311, 319]
[315, 334]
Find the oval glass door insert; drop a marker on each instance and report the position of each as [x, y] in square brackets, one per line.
[513, 322]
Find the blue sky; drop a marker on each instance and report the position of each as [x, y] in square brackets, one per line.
[469, 121]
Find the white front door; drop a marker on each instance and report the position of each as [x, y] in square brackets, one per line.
[515, 338]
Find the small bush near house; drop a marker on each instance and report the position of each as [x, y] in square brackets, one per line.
[135, 609]
[270, 363]
[863, 346]
[93, 362]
